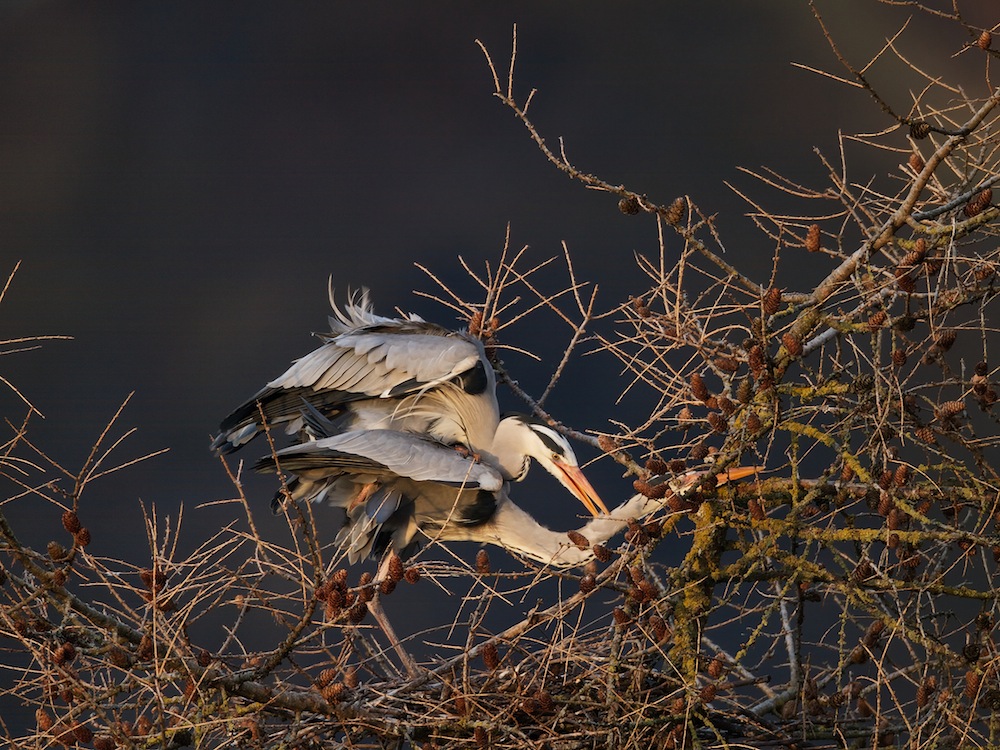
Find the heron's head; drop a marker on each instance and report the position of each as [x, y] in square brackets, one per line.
[520, 438]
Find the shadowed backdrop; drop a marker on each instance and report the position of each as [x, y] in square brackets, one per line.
[179, 180]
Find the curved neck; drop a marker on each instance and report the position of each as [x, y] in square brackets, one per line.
[517, 531]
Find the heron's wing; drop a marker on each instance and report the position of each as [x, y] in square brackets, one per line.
[388, 455]
[388, 360]
[391, 359]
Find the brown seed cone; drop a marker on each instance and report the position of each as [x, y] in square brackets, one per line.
[895, 519]
[919, 130]
[545, 701]
[715, 668]
[629, 206]
[772, 301]
[334, 603]
[863, 571]
[587, 583]
[792, 344]
[395, 568]
[326, 677]
[813, 239]
[482, 736]
[83, 733]
[984, 41]
[636, 574]
[652, 491]
[744, 391]
[885, 482]
[945, 339]
[339, 578]
[578, 539]
[927, 687]
[902, 476]
[973, 680]
[757, 511]
[916, 162]
[483, 563]
[717, 421]
[144, 651]
[950, 409]
[333, 692]
[708, 693]
[619, 616]
[904, 279]
[979, 203]
[698, 388]
[727, 364]
[386, 586]
[873, 633]
[71, 521]
[104, 742]
[82, 537]
[757, 360]
[411, 574]
[366, 591]
[698, 452]
[602, 553]
[753, 422]
[658, 628]
[491, 657]
[925, 435]
[898, 357]
[43, 719]
[675, 212]
[916, 256]
[676, 465]
[351, 677]
[876, 320]
[357, 613]
[656, 466]
[636, 535]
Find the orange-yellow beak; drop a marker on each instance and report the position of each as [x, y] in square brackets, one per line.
[573, 479]
[731, 475]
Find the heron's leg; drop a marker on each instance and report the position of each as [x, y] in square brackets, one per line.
[375, 607]
[366, 491]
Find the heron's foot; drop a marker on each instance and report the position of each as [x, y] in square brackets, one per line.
[465, 452]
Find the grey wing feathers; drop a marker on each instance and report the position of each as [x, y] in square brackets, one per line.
[365, 356]
[377, 362]
[394, 453]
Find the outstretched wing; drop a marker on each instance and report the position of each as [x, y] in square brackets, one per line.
[364, 357]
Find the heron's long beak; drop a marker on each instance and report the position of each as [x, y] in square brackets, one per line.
[573, 479]
[683, 484]
[731, 475]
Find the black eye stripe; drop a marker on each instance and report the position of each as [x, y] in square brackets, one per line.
[549, 442]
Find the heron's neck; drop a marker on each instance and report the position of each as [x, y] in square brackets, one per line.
[517, 531]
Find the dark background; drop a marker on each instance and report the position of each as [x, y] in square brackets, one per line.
[179, 180]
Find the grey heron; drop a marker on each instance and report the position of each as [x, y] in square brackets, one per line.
[399, 488]
[408, 375]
